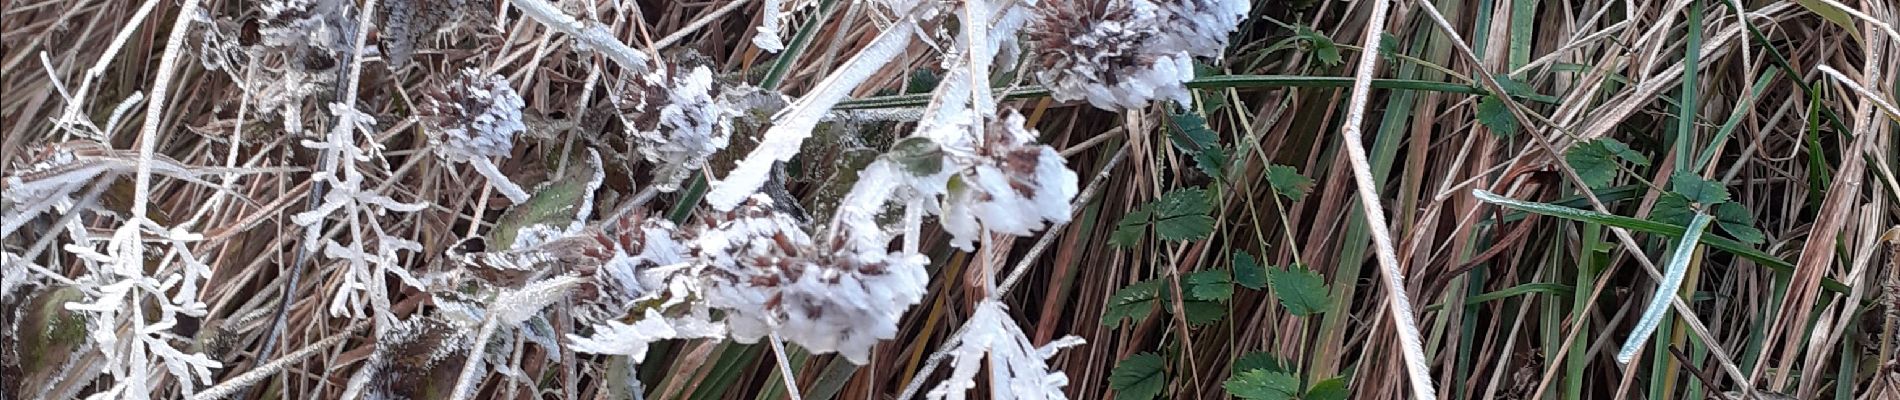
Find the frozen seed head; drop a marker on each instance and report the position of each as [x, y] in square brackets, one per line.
[420, 356]
[679, 120]
[770, 277]
[1199, 27]
[474, 117]
[1010, 185]
[1105, 52]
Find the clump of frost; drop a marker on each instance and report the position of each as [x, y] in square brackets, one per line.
[13, 276]
[1010, 185]
[307, 39]
[1018, 368]
[1125, 53]
[677, 122]
[1199, 27]
[768, 275]
[474, 118]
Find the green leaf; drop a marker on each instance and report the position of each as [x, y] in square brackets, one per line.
[1128, 231]
[556, 203]
[1672, 209]
[1248, 272]
[1288, 182]
[1196, 139]
[1322, 47]
[1134, 302]
[1300, 290]
[1596, 161]
[1701, 191]
[1211, 285]
[1389, 46]
[1330, 389]
[1261, 384]
[1262, 361]
[1202, 312]
[918, 156]
[1493, 113]
[1138, 377]
[1181, 215]
[1738, 222]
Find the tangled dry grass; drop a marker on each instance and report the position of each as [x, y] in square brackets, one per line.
[284, 199]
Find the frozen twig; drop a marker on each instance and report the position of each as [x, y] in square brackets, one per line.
[591, 33]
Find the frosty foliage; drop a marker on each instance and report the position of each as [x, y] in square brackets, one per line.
[13, 276]
[1018, 368]
[474, 118]
[677, 121]
[136, 338]
[1121, 54]
[1009, 184]
[305, 40]
[772, 16]
[770, 277]
[368, 252]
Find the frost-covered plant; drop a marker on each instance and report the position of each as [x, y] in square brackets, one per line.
[474, 118]
[1008, 184]
[310, 38]
[771, 277]
[677, 120]
[1121, 54]
[132, 340]
[1018, 368]
[370, 252]
[408, 23]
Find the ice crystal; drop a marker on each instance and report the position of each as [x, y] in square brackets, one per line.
[1199, 27]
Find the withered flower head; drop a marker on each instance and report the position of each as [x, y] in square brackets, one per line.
[474, 117]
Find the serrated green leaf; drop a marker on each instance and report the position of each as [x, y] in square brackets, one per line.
[1264, 385]
[1134, 302]
[1330, 389]
[1213, 162]
[1138, 377]
[1672, 209]
[1513, 87]
[1248, 272]
[1323, 48]
[1495, 115]
[1596, 161]
[1389, 46]
[1211, 285]
[1202, 312]
[1262, 361]
[1288, 182]
[1300, 290]
[1182, 215]
[1129, 230]
[1696, 189]
[1739, 223]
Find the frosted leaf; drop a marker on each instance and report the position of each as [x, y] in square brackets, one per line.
[677, 122]
[1010, 185]
[631, 340]
[515, 306]
[767, 274]
[1018, 368]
